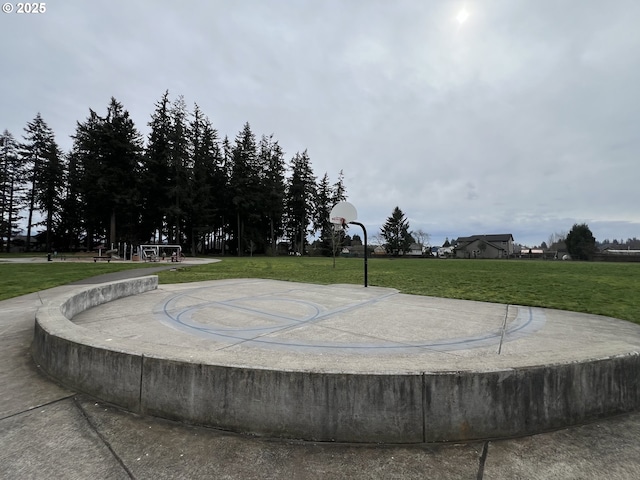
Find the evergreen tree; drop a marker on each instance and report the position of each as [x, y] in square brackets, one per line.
[49, 194]
[224, 195]
[42, 155]
[179, 171]
[272, 168]
[37, 150]
[206, 159]
[339, 190]
[244, 190]
[300, 203]
[218, 182]
[580, 242]
[155, 170]
[108, 151]
[86, 154]
[123, 159]
[71, 225]
[11, 188]
[321, 222]
[396, 233]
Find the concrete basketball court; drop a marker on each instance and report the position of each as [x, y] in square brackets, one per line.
[283, 326]
[350, 328]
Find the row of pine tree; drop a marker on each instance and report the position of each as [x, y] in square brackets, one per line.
[184, 185]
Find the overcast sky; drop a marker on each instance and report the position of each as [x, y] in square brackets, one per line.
[522, 119]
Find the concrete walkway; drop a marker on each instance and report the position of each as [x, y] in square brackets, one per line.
[49, 432]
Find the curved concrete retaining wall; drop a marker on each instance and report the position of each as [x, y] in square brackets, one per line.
[78, 357]
[325, 406]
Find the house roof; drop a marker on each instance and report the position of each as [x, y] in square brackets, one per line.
[499, 237]
[479, 240]
[493, 241]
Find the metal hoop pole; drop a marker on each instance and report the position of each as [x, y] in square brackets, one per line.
[366, 274]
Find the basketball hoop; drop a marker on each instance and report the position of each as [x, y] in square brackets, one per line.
[339, 222]
[344, 213]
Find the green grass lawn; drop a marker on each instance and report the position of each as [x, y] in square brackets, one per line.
[22, 278]
[611, 289]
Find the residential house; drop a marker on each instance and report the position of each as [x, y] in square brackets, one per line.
[415, 250]
[485, 246]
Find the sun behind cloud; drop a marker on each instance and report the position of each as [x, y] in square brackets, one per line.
[462, 16]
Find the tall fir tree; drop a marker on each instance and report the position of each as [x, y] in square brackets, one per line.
[244, 183]
[71, 226]
[123, 158]
[339, 189]
[396, 233]
[108, 150]
[300, 203]
[12, 183]
[37, 150]
[155, 170]
[86, 153]
[321, 222]
[51, 179]
[224, 198]
[179, 171]
[272, 168]
[206, 159]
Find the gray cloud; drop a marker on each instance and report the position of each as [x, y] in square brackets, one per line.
[523, 119]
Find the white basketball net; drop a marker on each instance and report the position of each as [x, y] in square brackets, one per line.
[338, 223]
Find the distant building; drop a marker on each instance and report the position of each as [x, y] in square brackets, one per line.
[485, 246]
[415, 250]
[621, 251]
[618, 255]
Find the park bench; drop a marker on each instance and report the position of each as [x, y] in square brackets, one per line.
[101, 257]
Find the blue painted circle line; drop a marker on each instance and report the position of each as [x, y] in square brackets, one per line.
[528, 320]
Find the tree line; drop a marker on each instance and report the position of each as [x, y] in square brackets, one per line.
[185, 185]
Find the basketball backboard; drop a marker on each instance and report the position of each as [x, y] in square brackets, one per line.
[343, 212]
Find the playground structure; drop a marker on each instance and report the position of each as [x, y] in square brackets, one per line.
[156, 253]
